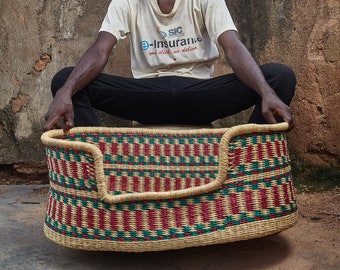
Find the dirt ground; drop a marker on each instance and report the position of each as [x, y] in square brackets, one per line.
[314, 243]
[318, 230]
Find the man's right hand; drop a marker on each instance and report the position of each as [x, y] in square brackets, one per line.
[61, 108]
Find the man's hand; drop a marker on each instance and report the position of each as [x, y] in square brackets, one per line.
[61, 108]
[273, 109]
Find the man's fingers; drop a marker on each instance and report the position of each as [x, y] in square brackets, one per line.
[270, 117]
[50, 123]
[69, 118]
[69, 122]
[287, 117]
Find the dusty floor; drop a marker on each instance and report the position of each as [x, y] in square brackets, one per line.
[314, 243]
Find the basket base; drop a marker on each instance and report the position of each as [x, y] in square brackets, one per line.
[231, 234]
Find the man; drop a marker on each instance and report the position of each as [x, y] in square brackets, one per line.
[173, 48]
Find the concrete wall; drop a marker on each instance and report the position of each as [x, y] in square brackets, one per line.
[37, 38]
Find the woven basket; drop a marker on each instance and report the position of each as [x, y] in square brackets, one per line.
[137, 190]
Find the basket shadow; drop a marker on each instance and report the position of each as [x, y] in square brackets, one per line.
[251, 254]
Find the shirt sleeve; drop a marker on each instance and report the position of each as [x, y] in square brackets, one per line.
[116, 20]
[218, 19]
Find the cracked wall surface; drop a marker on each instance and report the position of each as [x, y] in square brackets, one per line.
[305, 35]
[39, 37]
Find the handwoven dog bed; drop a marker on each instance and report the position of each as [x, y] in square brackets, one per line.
[137, 190]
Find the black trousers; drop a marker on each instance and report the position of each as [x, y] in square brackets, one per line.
[174, 99]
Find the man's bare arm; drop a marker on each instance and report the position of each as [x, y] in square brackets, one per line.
[87, 69]
[247, 70]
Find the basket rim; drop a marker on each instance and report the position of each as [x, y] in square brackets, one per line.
[48, 138]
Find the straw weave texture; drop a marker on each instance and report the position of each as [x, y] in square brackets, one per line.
[137, 190]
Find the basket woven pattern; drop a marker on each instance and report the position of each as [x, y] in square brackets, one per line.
[254, 198]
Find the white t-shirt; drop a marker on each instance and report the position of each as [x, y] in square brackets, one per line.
[181, 43]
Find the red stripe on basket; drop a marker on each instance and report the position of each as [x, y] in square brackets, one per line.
[113, 220]
[285, 193]
[126, 220]
[178, 217]
[248, 196]
[234, 203]
[157, 184]
[157, 150]
[191, 214]
[136, 149]
[260, 151]
[135, 184]
[177, 151]
[146, 151]
[85, 171]
[68, 215]
[90, 218]
[197, 151]
[112, 183]
[64, 168]
[54, 206]
[139, 220]
[187, 182]
[278, 148]
[216, 149]
[101, 146]
[276, 196]
[124, 183]
[249, 154]
[56, 166]
[187, 150]
[237, 157]
[165, 218]
[60, 212]
[74, 169]
[177, 183]
[114, 148]
[264, 201]
[152, 219]
[197, 182]
[168, 184]
[269, 149]
[102, 219]
[147, 184]
[167, 150]
[79, 217]
[219, 208]
[206, 150]
[205, 211]
[126, 148]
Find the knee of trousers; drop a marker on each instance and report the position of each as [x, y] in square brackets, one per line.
[59, 79]
[282, 78]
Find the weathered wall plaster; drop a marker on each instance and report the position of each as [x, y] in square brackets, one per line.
[40, 37]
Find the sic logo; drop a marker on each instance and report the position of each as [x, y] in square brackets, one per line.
[177, 31]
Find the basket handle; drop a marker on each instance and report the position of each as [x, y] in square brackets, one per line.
[128, 197]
